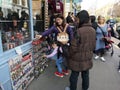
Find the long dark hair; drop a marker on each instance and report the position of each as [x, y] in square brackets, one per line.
[83, 17]
[60, 16]
[92, 18]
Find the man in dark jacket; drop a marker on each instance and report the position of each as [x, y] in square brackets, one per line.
[81, 52]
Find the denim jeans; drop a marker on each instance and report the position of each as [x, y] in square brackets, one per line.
[74, 78]
[59, 62]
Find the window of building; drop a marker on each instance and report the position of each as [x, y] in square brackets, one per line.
[15, 1]
[23, 2]
[15, 29]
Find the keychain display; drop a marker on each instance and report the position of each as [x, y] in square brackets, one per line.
[40, 63]
[21, 71]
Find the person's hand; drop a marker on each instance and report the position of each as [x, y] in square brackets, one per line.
[38, 36]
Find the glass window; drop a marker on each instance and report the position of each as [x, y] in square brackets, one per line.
[15, 1]
[15, 29]
[23, 2]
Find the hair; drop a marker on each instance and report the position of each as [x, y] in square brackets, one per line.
[52, 42]
[60, 16]
[69, 13]
[99, 17]
[92, 18]
[72, 13]
[83, 17]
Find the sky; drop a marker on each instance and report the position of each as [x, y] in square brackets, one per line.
[86, 4]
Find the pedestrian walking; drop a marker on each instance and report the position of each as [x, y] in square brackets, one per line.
[93, 21]
[101, 32]
[81, 52]
[69, 18]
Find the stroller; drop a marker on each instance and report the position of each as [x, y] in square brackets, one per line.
[109, 46]
[119, 61]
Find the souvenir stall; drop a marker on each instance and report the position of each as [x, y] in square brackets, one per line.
[20, 56]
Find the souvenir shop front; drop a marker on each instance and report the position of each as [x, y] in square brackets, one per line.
[20, 57]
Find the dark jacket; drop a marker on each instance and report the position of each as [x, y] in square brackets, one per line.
[69, 19]
[54, 30]
[81, 49]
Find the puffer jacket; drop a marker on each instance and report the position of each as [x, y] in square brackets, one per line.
[81, 49]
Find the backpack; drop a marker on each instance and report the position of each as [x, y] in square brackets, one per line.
[62, 36]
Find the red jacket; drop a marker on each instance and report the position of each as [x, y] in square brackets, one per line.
[57, 7]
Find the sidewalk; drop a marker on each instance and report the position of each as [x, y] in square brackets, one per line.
[103, 75]
[116, 41]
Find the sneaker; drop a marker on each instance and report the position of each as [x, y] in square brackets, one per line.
[103, 59]
[119, 70]
[67, 88]
[65, 72]
[59, 74]
[96, 57]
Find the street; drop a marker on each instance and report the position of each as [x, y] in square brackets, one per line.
[103, 75]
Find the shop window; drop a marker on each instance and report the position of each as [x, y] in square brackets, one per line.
[23, 2]
[15, 1]
[15, 30]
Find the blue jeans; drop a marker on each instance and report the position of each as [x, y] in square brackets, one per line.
[59, 62]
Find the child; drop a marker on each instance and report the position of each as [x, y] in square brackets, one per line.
[59, 59]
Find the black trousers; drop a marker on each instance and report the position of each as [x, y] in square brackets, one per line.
[100, 52]
[74, 78]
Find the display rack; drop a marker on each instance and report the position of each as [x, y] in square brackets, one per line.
[21, 71]
[40, 63]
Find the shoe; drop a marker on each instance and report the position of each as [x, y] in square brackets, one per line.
[96, 57]
[65, 72]
[103, 59]
[119, 70]
[67, 88]
[59, 74]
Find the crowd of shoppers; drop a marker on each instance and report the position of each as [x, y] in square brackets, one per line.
[84, 41]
